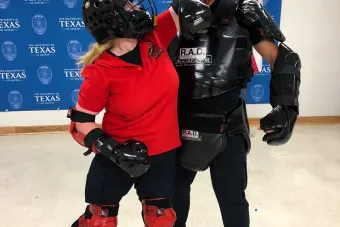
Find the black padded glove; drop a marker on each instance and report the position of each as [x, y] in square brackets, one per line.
[131, 156]
[131, 151]
[281, 121]
[194, 16]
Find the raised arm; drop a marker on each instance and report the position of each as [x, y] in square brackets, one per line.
[190, 16]
[167, 26]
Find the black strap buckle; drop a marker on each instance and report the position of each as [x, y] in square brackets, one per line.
[69, 112]
[89, 151]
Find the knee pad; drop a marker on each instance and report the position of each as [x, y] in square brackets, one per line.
[158, 213]
[98, 216]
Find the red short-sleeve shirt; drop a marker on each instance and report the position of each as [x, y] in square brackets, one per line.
[140, 101]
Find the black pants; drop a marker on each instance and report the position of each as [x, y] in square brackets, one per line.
[229, 180]
[107, 183]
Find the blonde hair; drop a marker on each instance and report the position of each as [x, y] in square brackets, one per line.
[93, 53]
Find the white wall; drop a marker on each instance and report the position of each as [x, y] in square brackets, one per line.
[312, 30]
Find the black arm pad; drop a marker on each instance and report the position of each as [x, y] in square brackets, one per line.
[256, 19]
[92, 136]
[78, 116]
[131, 156]
[95, 139]
[105, 145]
[285, 80]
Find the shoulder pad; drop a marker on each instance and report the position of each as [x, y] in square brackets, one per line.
[252, 14]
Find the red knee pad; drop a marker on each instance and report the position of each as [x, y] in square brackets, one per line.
[99, 216]
[158, 213]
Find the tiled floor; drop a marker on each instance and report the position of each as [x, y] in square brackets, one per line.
[297, 185]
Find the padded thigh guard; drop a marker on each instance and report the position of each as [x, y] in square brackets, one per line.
[257, 20]
[158, 213]
[205, 136]
[237, 123]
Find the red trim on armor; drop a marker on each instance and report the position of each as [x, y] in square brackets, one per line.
[94, 149]
[97, 209]
[254, 65]
[97, 219]
[78, 137]
[262, 32]
[158, 217]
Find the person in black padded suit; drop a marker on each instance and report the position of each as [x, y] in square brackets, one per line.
[214, 65]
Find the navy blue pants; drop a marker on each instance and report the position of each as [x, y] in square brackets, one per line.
[107, 184]
[229, 180]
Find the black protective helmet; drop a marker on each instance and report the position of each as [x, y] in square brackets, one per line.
[107, 19]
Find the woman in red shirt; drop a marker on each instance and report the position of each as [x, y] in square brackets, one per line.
[128, 73]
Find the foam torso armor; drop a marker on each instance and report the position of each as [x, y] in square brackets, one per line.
[218, 59]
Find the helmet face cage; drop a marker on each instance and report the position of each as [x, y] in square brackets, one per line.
[109, 19]
[147, 5]
[140, 14]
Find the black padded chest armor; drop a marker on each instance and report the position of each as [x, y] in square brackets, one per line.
[218, 59]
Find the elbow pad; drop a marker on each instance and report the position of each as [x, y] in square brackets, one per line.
[194, 16]
[95, 139]
[252, 16]
[89, 139]
[285, 80]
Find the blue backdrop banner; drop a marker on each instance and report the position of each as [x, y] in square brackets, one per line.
[40, 41]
